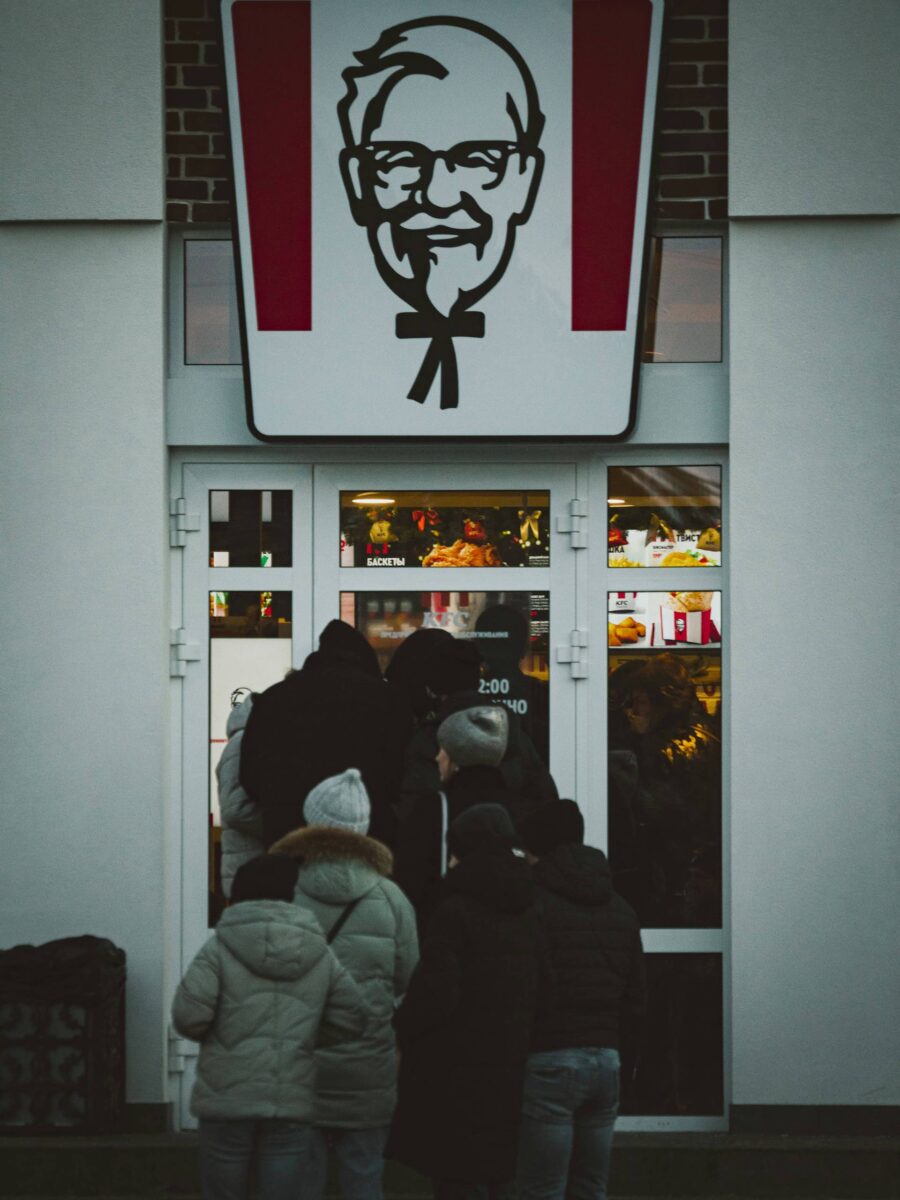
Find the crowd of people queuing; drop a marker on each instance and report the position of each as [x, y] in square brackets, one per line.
[420, 959]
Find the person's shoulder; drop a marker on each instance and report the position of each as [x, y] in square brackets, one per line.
[623, 913]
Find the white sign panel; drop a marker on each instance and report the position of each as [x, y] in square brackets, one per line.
[441, 213]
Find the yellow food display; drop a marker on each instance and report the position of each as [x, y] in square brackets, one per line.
[625, 632]
[463, 554]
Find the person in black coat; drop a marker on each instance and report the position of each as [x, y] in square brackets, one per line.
[466, 1023]
[524, 771]
[471, 744]
[572, 1082]
[337, 712]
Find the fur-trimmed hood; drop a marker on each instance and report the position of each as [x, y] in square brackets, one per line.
[336, 864]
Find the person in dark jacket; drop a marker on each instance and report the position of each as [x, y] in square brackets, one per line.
[572, 1082]
[337, 712]
[466, 1023]
[524, 771]
[427, 665]
[471, 745]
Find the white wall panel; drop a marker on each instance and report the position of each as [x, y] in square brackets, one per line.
[83, 615]
[814, 504]
[81, 120]
[812, 107]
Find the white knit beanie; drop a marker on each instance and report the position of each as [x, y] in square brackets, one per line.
[475, 736]
[341, 801]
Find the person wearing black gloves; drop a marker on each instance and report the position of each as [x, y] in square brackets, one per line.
[572, 1081]
[466, 1024]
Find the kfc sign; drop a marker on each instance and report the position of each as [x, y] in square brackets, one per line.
[441, 213]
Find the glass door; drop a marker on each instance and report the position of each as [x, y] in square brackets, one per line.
[245, 621]
[663, 571]
[473, 550]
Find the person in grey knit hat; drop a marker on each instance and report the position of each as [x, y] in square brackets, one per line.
[344, 881]
[340, 801]
[474, 737]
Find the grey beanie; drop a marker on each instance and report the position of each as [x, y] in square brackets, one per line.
[475, 737]
[341, 801]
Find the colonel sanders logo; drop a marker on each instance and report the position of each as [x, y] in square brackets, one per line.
[441, 163]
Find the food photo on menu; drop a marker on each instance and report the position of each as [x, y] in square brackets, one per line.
[664, 619]
[665, 517]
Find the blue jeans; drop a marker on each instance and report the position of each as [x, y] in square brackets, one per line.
[360, 1162]
[568, 1114]
[280, 1150]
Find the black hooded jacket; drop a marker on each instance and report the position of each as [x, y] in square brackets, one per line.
[595, 952]
[337, 712]
[465, 1025]
[417, 866]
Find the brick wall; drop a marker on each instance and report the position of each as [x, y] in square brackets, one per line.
[691, 163]
[692, 134]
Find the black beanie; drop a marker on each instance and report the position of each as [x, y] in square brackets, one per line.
[556, 823]
[481, 827]
[455, 667]
[266, 877]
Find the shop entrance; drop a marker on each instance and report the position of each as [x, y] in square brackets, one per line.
[271, 554]
[577, 638]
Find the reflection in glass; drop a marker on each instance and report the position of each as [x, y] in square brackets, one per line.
[679, 1060]
[249, 649]
[683, 321]
[212, 334]
[665, 785]
[665, 516]
[250, 529]
[510, 629]
[391, 528]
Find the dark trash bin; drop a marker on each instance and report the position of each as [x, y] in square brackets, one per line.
[62, 1037]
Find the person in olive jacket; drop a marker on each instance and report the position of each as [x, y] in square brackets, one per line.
[572, 1082]
[344, 884]
[466, 1023]
[255, 997]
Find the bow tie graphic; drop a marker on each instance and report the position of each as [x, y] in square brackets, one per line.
[441, 353]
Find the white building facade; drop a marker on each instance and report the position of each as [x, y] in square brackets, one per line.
[113, 445]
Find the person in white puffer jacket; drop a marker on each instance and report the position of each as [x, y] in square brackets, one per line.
[242, 831]
[259, 996]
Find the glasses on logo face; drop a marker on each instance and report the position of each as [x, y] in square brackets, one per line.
[408, 163]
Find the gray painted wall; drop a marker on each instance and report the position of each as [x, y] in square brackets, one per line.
[813, 97]
[84, 609]
[81, 116]
[814, 503]
[83, 616]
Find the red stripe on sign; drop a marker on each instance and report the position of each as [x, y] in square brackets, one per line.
[610, 45]
[272, 56]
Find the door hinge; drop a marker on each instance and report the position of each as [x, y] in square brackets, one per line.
[575, 654]
[575, 524]
[181, 523]
[180, 1050]
[181, 653]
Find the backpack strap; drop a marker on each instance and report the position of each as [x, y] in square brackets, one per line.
[339, 923]
[445, 817]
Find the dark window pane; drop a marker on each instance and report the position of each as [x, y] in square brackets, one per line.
[678, 1059]
[510, 629]
[445, 529]
[240, 662]
[250, 529]
[211, 327]
[683, 321]
[665, 516]
[665, 782]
